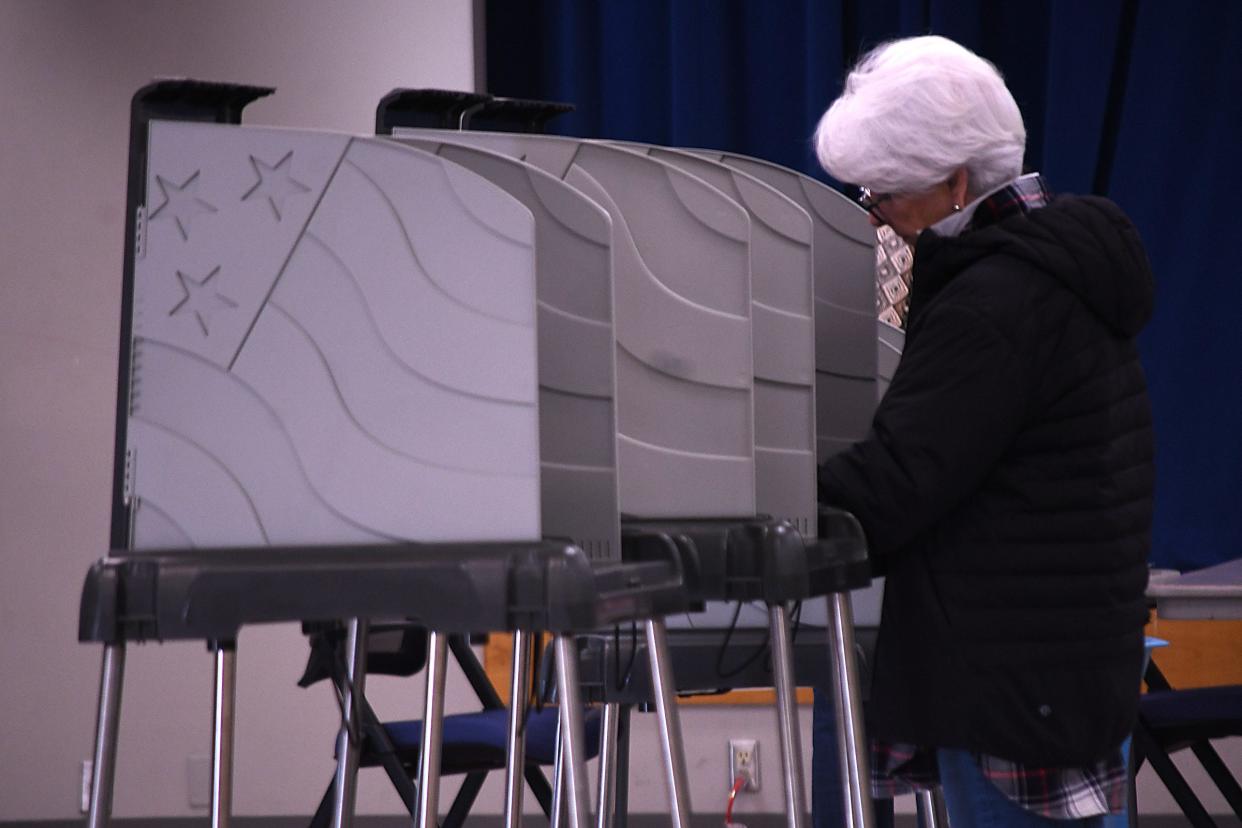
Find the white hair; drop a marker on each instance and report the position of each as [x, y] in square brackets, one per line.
[915, 110]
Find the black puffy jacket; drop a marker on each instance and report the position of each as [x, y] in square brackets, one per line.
[1006, 491]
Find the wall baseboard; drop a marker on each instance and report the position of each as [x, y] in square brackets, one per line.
[494, 821]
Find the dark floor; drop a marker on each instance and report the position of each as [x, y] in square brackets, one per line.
[635, 821]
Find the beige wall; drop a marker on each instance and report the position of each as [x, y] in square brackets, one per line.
[67, 71]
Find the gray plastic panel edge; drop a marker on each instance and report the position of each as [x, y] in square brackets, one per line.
[890, 342]
[577, 365]
[684, 357]
[334, 342]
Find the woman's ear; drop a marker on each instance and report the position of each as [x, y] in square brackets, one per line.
[959, 187]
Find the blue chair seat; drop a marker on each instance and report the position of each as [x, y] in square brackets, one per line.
[1170, 720]
[476, 741]
[1193, 715]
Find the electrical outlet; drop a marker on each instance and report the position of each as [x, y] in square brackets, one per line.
[744, 763]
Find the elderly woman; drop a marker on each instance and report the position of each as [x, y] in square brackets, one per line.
[1006, 483]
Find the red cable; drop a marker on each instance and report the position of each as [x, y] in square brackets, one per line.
[737, 786]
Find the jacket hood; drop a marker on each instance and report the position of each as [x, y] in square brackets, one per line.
[1085, 242]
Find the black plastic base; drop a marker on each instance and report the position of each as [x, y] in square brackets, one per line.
[209, 594]
[755, 558]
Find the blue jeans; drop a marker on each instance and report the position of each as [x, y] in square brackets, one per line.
[974, 802]
[828, 799]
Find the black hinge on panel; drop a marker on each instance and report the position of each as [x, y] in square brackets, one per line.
[426, 108]
[450, 109]
[172, 100]
[517, 115]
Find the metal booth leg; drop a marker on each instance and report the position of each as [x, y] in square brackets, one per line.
[515, 761]
[622, 810]
[223, 704]
[608, 766]
[111, 677]
[569, 694]
[848, 709]
[662, 683]
[932, 812]
[426, 812]
[556, 818]
[348, 740]
[787, 715]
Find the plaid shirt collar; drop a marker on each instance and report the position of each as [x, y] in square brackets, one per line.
[1022, 195]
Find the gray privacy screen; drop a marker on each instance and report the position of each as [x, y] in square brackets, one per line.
[577, 380]
[681, 264]
[845, 301]
[846, 379]
[334, 340]
[782, 302]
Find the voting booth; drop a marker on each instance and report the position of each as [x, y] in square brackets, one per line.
[483, 381]
[688, 294]
[328, 409]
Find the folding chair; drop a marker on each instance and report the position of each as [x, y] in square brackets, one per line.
[1170, 720]
[473, 744]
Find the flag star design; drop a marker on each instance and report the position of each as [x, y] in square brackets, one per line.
[200, 300]
[276, 182]
[181, 202]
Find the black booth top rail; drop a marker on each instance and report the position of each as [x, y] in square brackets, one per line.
[755, 559]
[209, 594]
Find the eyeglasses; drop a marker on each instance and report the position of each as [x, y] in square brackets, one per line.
[871, 201]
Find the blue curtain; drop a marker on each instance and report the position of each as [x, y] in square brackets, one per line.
[1140, 100]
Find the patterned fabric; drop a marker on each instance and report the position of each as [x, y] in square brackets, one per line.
[1056, 793]
[893, 261]
[1022, 195]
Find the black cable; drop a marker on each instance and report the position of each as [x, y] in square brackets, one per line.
[622, 680]
[538, 670]
[534, 699]
[759, 652]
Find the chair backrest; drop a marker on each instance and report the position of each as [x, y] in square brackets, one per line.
[394, 648]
